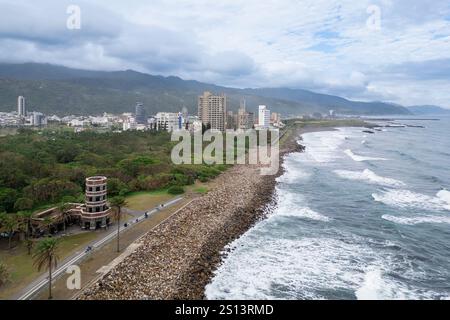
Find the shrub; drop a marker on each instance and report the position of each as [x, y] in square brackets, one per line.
[175, 190]
[181, 180]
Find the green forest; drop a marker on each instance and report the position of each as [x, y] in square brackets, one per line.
[43, 168]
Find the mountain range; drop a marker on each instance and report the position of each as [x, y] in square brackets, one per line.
[60, 90]
[429, 110]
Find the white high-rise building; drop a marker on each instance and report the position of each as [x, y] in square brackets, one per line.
[168, 121]
[38, 119]
[264, 117]
[21, 106]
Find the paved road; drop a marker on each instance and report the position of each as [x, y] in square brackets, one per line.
[36, 286]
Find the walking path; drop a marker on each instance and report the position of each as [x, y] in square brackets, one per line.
[42, 281]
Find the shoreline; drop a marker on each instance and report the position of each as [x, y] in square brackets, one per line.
[178, 259]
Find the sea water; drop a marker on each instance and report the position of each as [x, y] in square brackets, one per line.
[358, 216]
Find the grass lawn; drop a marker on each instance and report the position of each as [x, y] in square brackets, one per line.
[201, 190]
[199, 187]
[20, 264]
[147, 200]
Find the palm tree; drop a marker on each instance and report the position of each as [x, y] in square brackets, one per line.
[47, 224]
[46, 257]
[65, 215]
[25, 218]
[118, 203]
[10, 224]
[29, 242]
[25, 222]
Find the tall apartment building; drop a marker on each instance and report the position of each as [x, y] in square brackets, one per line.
[140, 114]
[244, 119]
[231, 120]
[21, 106]
[212, 110]
[264, 117]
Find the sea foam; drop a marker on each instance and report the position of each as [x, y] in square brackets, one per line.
[368, 176]
[293, 205]
[409, 199]
[253, 270]
[376, 287]
[361, 158]
[417, 219]
[321, 146]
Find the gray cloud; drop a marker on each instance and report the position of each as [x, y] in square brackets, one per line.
[44, 23]
[421, 70]
[311, 44]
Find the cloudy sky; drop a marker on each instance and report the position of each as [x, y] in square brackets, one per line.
[391, 50]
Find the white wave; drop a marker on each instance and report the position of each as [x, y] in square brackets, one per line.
[417, 220]
[444, 196]
[321, 146]
[375, 287]
[361, 158]
[409, 199]
[273, 268]
[292, 171]
[265, 267]
[293, 205]
[292, 176]
[311, 214]
[369, 176]
[363, 142]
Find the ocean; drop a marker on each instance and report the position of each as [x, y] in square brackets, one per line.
[358, 216]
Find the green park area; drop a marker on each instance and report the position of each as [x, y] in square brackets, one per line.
[42, 169]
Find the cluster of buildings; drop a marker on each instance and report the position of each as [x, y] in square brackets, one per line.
[212, 113]
[22, 117]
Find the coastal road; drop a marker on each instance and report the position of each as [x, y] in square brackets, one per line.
[36, 286]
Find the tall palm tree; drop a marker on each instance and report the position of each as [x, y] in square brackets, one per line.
[25, 222]
[47, 224]
[10, 224]
[117, 203]
[29, 243]
[25, 218]
[65, 215]
[46, 257]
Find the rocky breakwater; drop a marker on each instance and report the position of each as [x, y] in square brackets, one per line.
[177, 258]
